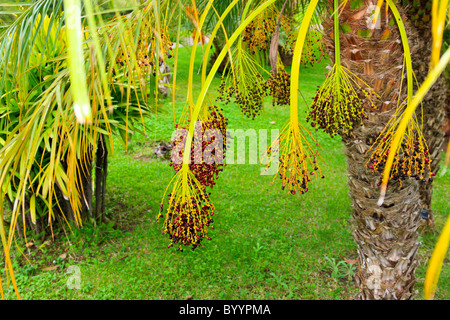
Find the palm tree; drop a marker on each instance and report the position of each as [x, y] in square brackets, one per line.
[362, 98]
[371, 61]
[47, 155]
[434, 103]
[387, 235]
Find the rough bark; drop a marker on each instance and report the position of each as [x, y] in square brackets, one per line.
[101, 168]
[274, 44]
[434, 103]
[387, 235]
[85, 177]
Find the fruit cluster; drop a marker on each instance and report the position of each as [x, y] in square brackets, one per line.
[339, 103]
[313, 42]
[297, 160]
[149, 45]
[247, 95]
[411, 160]
[210, 137]
[258, 34]
[293, 174]
[189, 213]
[313, 49]
[279, 88]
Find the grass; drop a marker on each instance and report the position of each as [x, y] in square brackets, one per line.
[267, 244]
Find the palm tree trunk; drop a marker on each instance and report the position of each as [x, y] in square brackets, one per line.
[387, 235]
[434, 103]
[101, 168]
[84, 180]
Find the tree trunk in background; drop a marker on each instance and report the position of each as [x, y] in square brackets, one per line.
[446, 128]
[387, 235]
[84, 178]
[101, 168]
[22, 226]
[434, 103]
[63, 209]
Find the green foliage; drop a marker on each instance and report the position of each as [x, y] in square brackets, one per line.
[356, 4]
[267, 251]
[42, 142]
[274, 250]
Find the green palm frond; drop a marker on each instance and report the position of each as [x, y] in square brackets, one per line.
[45, 151]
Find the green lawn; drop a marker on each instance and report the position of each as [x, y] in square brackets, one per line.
[267, 244]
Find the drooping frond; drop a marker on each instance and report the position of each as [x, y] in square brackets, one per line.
[298, 159]
[186, 183]
[45, 152]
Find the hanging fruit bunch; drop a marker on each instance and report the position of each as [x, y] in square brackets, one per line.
[208, 149]
[152, 42]
[314, 47]
[339, 103]
[298, 160]
[189, 212]
[243, 84]
[412, 160]
[278, 86]
[242, 79]
[295, 158]
[258, 34]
